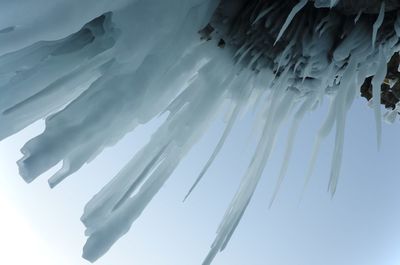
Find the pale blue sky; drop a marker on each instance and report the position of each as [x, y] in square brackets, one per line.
[360, 225]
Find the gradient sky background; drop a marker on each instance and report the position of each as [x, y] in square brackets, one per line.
[360, 225]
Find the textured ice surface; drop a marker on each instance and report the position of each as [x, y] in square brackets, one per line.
[95, 70]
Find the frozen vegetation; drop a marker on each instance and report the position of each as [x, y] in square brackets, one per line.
[97, 69]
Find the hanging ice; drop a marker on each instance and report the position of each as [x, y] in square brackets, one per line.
[98, 69]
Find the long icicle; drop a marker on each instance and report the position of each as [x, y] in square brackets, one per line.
[296, 9]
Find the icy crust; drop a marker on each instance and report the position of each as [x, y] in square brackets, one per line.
[138, 59]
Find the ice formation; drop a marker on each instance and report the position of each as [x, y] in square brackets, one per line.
[95, 70]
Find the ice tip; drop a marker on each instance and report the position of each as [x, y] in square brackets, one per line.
[52, 184]
[332, 189]
[188, 194]
[23, 171]
[88, 257]
[272, 200]
[88, 253]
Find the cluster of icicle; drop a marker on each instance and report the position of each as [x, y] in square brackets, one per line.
[135, 59]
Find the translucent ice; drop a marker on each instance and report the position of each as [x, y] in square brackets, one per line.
[95, 70]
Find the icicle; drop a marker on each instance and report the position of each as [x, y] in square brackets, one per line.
[124, 68]
[333, 3]
[243, 55]
[378, 23]
[390, 116]
[346, 89]
[376, 82]
[265, 12]
[151, 167]
[103, 237]
[289, 147]
[397, 25]
[284, 54]
[296, 9]
[217, 149]
[52, 97]
[359, 14]
[250, 180]
[324, 24]
[323, 132]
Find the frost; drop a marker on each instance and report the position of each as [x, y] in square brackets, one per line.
[97, 70]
